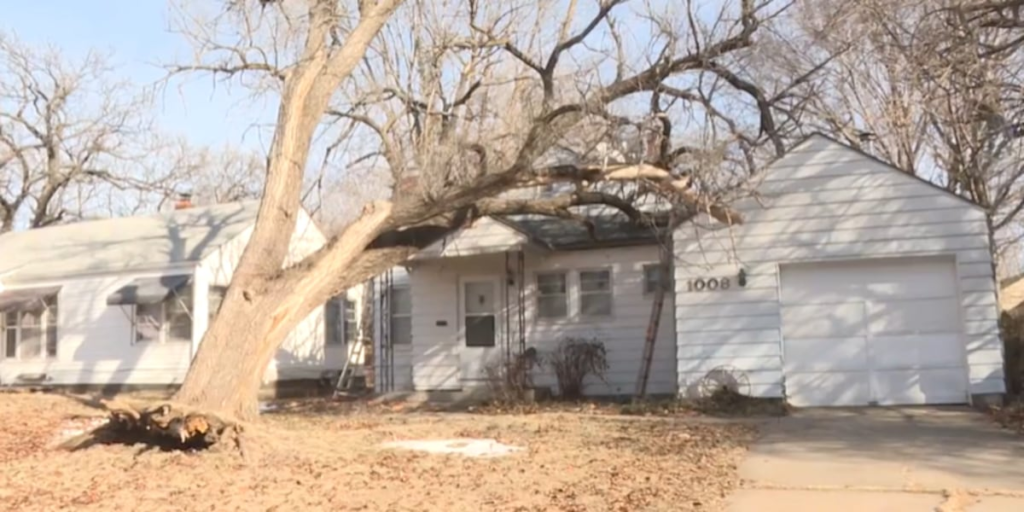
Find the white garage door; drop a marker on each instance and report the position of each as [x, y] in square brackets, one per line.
[881, 332]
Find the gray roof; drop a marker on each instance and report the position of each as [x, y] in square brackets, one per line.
[122, 244]
[566, 234]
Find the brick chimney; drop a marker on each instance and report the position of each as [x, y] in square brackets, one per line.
[407, 184]
[184, 201]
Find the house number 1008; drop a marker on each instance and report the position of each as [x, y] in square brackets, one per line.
[700, 285]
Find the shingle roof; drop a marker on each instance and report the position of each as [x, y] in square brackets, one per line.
[121, 244]
[566, 234]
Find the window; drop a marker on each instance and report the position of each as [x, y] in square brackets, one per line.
[551, 297]
[480, 313]
[339, 321]
[31, 333]
[653, 279]
[168, 321]
[217, 294]
[400, 328]
[595, 293]
[351, 324]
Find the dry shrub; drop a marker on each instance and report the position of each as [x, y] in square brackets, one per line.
[1010, 416]
[510, 381]
[573, 360]
[725, 401]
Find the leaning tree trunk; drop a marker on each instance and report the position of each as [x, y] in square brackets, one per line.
[265, 302]
[257, 315]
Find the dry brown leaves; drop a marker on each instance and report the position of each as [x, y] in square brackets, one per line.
[29, 422]
[1010, 416]
[327, 461]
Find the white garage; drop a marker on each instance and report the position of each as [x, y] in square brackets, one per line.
[854, 283]
[885, 332]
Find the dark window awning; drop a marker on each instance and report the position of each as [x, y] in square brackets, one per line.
[27, 299]
[148, 290]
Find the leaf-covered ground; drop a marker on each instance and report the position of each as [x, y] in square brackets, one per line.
[327, 458]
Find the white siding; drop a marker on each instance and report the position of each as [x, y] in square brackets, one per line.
[95, 341]
[485, 236]
[823, 202]
[436, 322]
[302, 355]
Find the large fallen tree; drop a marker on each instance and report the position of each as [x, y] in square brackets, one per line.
[463, 116]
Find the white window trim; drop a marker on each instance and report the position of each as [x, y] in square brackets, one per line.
[164, 326]
[497, 313]
[392, 315]
[341, 302]
[580, 293]
[566, 275]
[666, 280]
[345, 304]
[44, 356]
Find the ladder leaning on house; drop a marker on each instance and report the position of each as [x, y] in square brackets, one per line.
[348, 371]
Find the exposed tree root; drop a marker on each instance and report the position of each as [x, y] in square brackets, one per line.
[166, 426]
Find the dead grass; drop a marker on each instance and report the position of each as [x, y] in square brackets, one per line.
[1011, 415]
[324, 458]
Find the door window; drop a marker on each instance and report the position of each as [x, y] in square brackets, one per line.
[480, 314]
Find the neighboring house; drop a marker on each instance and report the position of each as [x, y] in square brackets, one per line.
[849, 283]
[126, 301]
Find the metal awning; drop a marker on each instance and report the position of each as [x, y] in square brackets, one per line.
[148, 290]
[26, 299]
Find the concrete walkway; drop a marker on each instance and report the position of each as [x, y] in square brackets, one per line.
[883, 459]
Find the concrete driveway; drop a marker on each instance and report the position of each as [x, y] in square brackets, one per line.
[883, 459]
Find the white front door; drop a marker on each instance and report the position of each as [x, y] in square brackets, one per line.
[480, 313]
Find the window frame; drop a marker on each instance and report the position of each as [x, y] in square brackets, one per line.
[164, 328]
[349, 306]
[335, 323]
[539, 295]
[610, 292]
[392, 315]
[465, 315]
[215, 291]
[665, 281]
[49, 326]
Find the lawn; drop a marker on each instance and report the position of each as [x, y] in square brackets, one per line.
[324, 456]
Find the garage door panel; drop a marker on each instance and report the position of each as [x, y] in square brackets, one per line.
[908, 287]
[901, 352]
[831, 388]
[884, 278]
[913, 316]
[920, 386]
[823, 321]
[886, 331]
[826, 354]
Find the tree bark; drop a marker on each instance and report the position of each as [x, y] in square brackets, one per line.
[257, 316]
[265, 302]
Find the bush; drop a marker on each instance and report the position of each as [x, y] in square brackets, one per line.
[1012, 325]
[511, 380]
[573, 360]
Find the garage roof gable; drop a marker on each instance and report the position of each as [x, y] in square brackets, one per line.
[819, 136]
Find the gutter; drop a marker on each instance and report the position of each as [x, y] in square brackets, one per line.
[172, 269]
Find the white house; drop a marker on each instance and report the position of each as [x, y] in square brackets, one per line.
[126, 301]
[849, 283]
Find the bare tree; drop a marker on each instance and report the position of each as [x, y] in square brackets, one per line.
[70, 136]
[216, 175]
[468, 107]
[932, 87]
